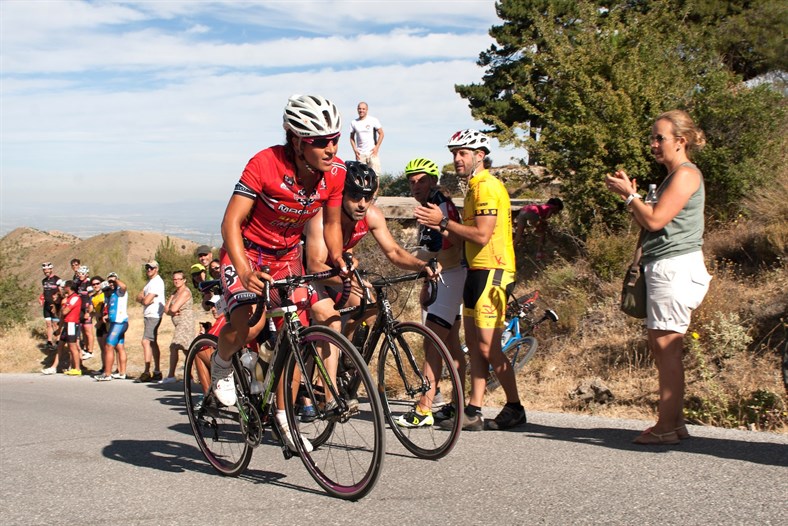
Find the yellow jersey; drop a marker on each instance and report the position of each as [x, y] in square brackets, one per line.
[487, 196]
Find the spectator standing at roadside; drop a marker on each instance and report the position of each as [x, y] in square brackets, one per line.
[672, 260]
[75, 264]
[117, 318]
[204, 255]
[366, 136]
[97, 311]
[50, 289]
[70, 312]
[179, 307]
[443, 316]
[152, 298]
[486, 229]
[84, 289]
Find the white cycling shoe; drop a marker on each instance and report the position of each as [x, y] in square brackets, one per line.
[223, 383]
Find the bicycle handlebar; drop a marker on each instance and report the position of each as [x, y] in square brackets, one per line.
[205, 286]
[264, 301]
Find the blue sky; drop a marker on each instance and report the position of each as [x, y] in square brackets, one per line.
[159, 101]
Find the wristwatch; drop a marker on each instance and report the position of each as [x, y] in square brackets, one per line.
[443, 224]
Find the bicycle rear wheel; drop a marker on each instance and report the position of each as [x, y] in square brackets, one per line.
[518, 353]
[407, 367]
[218, 429]
[349, 446]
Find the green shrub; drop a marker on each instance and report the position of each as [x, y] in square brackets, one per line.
[13, 302]
[170, 259]
[609, 254]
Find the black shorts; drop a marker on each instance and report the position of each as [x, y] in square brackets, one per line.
[70, 332]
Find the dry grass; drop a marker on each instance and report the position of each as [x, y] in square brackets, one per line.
[21, 346]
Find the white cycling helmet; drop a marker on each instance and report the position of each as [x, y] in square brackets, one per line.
[84, 269]
[471, 139]
[311, 116]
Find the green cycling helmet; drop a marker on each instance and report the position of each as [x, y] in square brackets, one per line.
[422, 165]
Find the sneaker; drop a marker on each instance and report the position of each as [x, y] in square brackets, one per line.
[118, 376]
[507, 418]
[86, 355]
[168, 380]
[48, 370]
[103, 378]
[308, 414]
[446, 412]
[438, 400]
[469, 423]
[73, 372]
[223, 383]
[156, 376]
[415, 418]
[285, 430]
[144, 377]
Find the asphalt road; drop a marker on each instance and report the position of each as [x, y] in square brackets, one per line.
[75, 451]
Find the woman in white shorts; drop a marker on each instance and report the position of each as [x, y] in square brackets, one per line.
[673, 265]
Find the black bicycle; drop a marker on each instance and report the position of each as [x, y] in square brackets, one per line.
[412, 363]
[346, 439]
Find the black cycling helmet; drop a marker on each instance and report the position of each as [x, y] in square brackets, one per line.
[360, 179]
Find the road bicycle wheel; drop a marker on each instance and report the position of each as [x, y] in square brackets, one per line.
[219, 431]
[518, 353]
[349, 446]
[406, 376]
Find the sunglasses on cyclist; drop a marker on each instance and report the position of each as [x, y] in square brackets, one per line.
[322, 142]
[358, 196]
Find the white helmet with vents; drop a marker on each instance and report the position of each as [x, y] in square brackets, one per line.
[471, 139]
[311, 116]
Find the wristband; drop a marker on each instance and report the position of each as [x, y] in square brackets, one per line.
[631, 198]
[443, 224]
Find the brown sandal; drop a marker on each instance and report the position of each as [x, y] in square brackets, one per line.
[681, 432]
[649, 438]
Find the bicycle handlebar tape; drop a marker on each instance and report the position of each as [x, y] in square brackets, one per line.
[263, 301]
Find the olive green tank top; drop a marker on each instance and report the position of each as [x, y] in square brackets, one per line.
[684, 233]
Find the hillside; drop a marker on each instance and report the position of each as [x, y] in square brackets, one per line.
[23, 250]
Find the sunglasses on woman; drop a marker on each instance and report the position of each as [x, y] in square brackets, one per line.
[322, 142]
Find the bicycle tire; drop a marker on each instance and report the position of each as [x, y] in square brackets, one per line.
[218, 430]
[518, 353]
[402, 388]
[347, 462]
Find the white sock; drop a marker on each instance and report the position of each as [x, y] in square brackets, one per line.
[221, 362]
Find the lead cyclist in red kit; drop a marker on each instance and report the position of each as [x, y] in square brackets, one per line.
[280, 189]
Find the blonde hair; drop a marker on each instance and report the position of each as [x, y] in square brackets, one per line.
[684, 126]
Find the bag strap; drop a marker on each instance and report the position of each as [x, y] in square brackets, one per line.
[638, 250]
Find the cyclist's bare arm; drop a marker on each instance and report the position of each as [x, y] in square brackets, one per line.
[316, 250]
[391, 249]
[332, 234]
[237, 210]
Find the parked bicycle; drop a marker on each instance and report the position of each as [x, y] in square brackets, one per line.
[347, 435]
[518, 341]
[402, 347]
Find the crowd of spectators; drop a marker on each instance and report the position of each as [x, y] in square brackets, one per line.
[85, 313]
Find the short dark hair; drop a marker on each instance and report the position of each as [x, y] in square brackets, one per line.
[69, 284]
[75, 260]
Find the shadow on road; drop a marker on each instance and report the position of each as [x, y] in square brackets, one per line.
[756, 452]
[174, 457]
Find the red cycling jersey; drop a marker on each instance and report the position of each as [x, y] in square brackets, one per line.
[73, 302]
[360, 229]
[281, 205]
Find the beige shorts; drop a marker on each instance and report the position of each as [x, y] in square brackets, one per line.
[675, 287]
[373, 161]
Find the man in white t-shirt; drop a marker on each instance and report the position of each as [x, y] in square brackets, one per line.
[152, 298]
[366, 135]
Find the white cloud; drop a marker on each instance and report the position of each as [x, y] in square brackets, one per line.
[163, 101]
